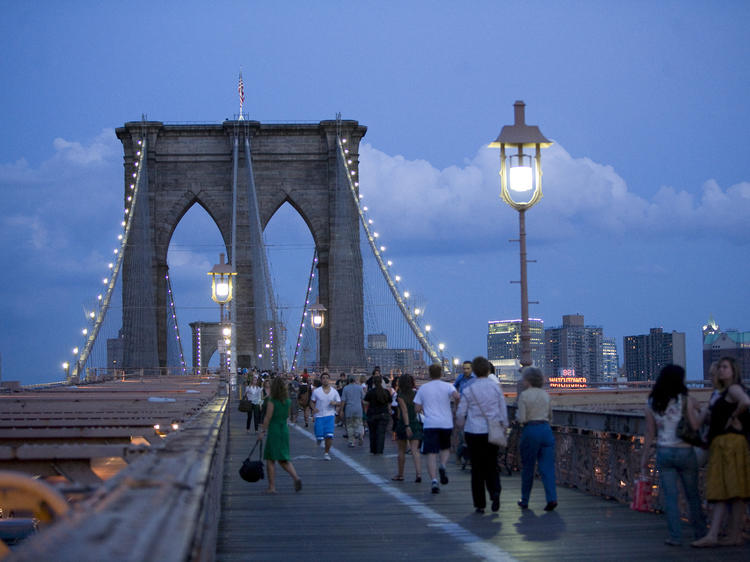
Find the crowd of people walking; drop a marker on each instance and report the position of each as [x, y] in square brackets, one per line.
[429, 421]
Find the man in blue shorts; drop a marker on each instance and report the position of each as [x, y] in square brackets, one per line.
[434, 400]
[324, 401]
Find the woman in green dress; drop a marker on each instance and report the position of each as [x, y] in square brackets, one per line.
[277, 435]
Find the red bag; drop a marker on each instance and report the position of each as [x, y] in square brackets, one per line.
[641, 495]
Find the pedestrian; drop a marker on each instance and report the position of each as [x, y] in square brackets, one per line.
[351, 411]
[293, 388]
[375, 371]
[394, 405]
[728, 471]
[276, 432]
[537, 440]
[434, 399]
[303, 397]
[675, 458]
[466, 377]
[264, 396]
[481, 401]
[408, 428]
[253, 393]
[324, 401]
[377, 403]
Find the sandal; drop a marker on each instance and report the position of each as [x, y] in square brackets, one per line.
[398, 478]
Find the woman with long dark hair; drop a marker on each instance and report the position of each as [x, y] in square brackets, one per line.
[377, 403]
[408, 428]
[675, 458]
[728, 471]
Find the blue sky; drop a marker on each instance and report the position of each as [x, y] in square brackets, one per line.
[645, 220]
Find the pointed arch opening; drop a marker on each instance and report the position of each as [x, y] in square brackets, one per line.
[194, 247]
[290, 246]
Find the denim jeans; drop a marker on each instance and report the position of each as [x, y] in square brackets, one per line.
[674, 463]
[538, 445]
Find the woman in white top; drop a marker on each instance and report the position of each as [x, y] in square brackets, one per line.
[481, 400]
[537, 440]
[674, 457]
[253, 393]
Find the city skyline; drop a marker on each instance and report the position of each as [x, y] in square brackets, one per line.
[646, 211]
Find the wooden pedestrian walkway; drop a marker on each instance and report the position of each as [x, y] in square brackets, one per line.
[349, 509]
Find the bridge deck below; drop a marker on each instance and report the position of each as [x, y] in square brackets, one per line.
[349, 509]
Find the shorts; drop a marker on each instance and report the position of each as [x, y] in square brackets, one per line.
[324, 428]
[436, 439]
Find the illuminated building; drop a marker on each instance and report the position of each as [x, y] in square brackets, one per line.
[574, 346]
[646, 354]
[727, 343]
[504, 343]
[610, 360]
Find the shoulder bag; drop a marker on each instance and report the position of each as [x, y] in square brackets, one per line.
[251, 470]
[244, 405]
[495, 429]
[685, 431]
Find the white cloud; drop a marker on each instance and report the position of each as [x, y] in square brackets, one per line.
[414, 201]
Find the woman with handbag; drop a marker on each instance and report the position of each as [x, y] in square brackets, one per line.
[253, 395]
[408, 428]
[668, 405]
[277, 435]
[481, 413]
[537, 439]
[728, 471]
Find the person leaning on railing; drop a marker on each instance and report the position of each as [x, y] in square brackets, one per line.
[728, 472]
[537, 440]
[674, 457]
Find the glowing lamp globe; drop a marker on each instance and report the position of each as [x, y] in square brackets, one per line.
[221, 281]
[318, 315]
[521, 173]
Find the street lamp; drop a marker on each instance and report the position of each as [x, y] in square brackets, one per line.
[222, 285]
[521, 188]
[318, 320]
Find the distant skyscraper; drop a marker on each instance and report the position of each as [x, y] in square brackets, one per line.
[379, 354]
[504, 340]
[574, 346]
[646, 354]
[727, 343]
[610, 360]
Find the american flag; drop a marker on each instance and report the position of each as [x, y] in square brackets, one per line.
[241, 90]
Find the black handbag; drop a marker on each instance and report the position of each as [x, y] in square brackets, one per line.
[251, 470]
[244, 405]
[686, 432]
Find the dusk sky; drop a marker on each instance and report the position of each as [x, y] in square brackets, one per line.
[645, 220]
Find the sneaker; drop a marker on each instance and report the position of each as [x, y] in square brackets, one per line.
[550, 506]
[326, 456]
[435, 487]
[443, 476]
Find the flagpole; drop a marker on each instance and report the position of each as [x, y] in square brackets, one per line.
[241, 92]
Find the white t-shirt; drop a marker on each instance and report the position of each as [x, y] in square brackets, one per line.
[323, 401]
[435, 398]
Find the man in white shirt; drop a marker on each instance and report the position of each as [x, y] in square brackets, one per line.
[434, 400]
[324, 400]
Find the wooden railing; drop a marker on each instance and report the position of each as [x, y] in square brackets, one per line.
[164, 506]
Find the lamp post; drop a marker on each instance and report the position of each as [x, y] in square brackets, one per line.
[318, 320]
[222, 286]
[521, 188]
[441, 348]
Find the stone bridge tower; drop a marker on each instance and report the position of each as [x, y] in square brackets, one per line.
[193, 164]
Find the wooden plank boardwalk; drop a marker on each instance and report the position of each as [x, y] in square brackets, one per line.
[349, 509]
